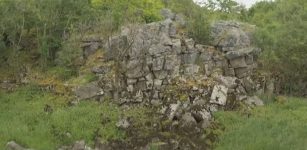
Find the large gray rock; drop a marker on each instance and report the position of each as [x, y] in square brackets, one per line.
[242, 72]
[79, 145]
[173, 110]
[254, 101]
[203, 116]
[12, 145]
[167, 14]
[219, 95]
[188, 121]
[242, 52]
[229, 82]
[90, 48]
[88, 91]
[191, 69]
[238, 62]
[229, 36]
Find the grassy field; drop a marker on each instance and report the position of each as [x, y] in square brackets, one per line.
[24, 120]
[272, 127]
[275, 126]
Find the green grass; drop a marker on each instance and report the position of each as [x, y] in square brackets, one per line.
[271, 127]
[23, 119]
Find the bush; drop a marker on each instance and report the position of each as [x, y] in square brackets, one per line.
[197, 19]
[63, 73]
[282, 36]
[70, 54]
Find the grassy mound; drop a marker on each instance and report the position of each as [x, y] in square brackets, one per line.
[272, 127]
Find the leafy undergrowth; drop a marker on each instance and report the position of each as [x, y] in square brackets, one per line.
[40, 120]
[276, 126]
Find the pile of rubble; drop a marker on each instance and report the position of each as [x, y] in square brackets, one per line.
[152, 58]
[184, 80]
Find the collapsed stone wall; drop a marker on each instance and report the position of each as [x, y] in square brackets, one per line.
[153, 64]
[158, 66]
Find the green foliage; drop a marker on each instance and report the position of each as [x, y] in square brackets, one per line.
[24, 120]
[198, 27]
[225, 10]
[83, 79]
[70, 54]
[274, 126]
[282, 35]
[226, 6]
[48, 20]
[62, 73]
[83, 122]
[125, 10]
[196, 17]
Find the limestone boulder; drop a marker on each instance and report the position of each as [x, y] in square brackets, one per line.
[229, 36]
[12, 145]
[88, 91]
[219, 95]
[254, 101]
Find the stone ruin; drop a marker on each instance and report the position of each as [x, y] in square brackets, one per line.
[158, 66]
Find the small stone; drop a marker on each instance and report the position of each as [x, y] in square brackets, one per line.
[157, 83]
[177, 46]
[219, 95]
[131, 81]
[156, 95]
[241, 97]
[241, 72]
[230, 72]
[130, 88]
[213, 107]
[98, 70]
[249, 59]
[249, 84]
[156, 102]
[188, 120]
[123, 124]
[88, 91]
[173, 109]
[163, 110]
[79, 145]
[254, 101]
[249, 51]
[68, 135]
[139, 96]
[90, 48]
[12, 145]
[191, 69]
[238, 62]
[189, 43]
[229, 82]
[195, 88]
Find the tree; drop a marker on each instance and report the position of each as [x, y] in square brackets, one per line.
[282, 35]
[226, 6]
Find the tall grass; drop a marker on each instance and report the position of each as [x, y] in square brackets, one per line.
[272, 127]
[23, 119]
